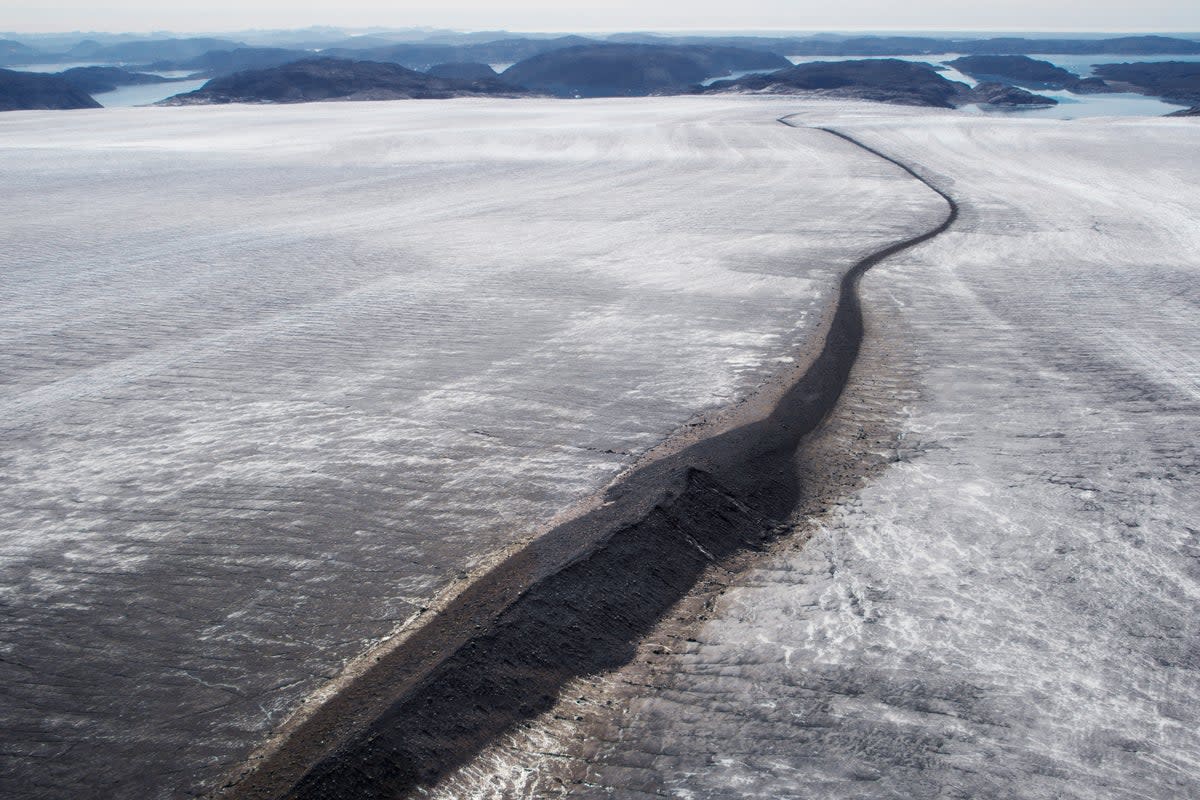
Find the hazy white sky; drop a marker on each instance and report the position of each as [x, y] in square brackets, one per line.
[216, 15]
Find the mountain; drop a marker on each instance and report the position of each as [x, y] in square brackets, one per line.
[424, 55]
[1171, 80]
[216, 63]
[334, 79]
[885, 80]
[97, 80]
[12, 52]
[611, 70]
[148, 50]
[32, 90]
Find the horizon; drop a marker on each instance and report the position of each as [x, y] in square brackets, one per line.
[699, 16]
[369, 30]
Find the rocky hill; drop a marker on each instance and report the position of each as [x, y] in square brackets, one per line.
[333, 79]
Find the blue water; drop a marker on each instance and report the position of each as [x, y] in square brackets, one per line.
[146, 95]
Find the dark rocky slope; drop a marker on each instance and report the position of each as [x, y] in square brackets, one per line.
[627, 70]
[31, 90]
[333, 79]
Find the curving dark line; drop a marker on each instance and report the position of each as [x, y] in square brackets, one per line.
[573, 602]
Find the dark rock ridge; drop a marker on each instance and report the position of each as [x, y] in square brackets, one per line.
[333, 79]
[1186, 112]
[1021, 70]
[885, 80]
[464, 72]
[628, 70]
[1173, 81]
[97, 80]
[31, 90]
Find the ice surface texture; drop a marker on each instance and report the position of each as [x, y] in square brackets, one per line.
[274, 378]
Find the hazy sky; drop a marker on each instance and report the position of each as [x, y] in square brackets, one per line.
[216, 15]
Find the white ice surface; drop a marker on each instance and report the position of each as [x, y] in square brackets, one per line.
[272, 377]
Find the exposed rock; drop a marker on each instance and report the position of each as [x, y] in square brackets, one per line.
[620, 70]
[1186, 112]
[333, 79]
[31, 90]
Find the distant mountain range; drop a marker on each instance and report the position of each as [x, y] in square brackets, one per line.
[575, 66]
[418, 51]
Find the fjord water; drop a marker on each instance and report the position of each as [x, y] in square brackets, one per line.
[276, 378]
